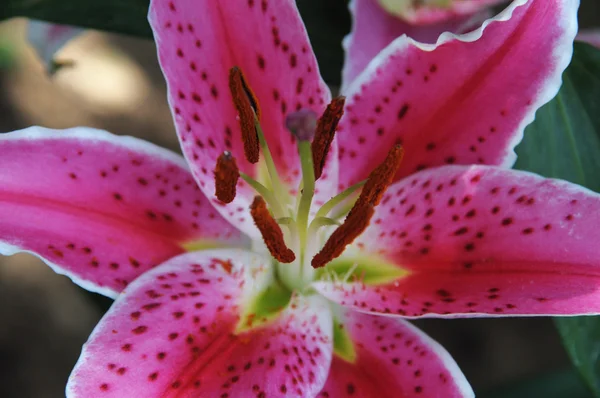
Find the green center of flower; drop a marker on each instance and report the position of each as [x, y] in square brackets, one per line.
[299, 243]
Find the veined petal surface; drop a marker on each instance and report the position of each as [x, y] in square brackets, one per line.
[373, 28]
[480, 240]
[172, 333]
[464, 100]
[198, 42]
[392, 359]
[100, 208]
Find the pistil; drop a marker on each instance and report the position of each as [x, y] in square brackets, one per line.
[314, 138]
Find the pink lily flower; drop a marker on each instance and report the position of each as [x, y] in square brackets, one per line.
[214, 299]
[375, 27]
[590, 36]
[418, 12]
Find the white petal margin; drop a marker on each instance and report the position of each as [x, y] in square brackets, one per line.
[449, 362]
[92, 134]
[37, 132]
[133, 143]
[563, 52]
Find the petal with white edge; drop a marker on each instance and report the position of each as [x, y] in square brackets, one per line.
[464, 100]
[198, 42]
[479, 241]
[373, 29]
[101, 208]
[174, 333]
[389, 358]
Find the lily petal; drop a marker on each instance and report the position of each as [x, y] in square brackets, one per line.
[418, 13]
[99, 208]
[373, 29]
[198, 42]
[591, 36]
[172, 333]
[481, 240]
[466, 99]
[392, 358]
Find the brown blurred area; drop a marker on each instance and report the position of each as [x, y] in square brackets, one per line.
[116, 85]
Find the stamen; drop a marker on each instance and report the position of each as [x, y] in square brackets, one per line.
[339, 198]
[226, 177]
[360, 215]
[271, 232]
[248, 109]
[325, 132]
[380, 179]
[353, 226]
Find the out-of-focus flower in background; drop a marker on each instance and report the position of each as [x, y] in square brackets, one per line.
[48, 38]
[420, 12]
[590, 36]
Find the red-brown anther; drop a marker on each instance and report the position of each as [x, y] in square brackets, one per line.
[270, 231]
[380, 179]
[353, 226]
[325, 132]
[248, 109]
[359, 217]
[226, 177]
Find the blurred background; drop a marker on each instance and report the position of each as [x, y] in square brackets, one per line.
[116, 85]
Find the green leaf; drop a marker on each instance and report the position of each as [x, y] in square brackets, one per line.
[326, 21]
[564, 142]
[566, 383]
[581, 338]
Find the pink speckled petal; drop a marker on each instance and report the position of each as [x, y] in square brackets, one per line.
[419, 14]
[172, 334]
[482, 240]
[393, 359]
[48, 38]
[591, 36]
[373, 29]
[198, 42]
[466, 99]
[100, 208]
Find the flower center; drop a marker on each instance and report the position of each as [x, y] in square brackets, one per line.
[297, 248]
